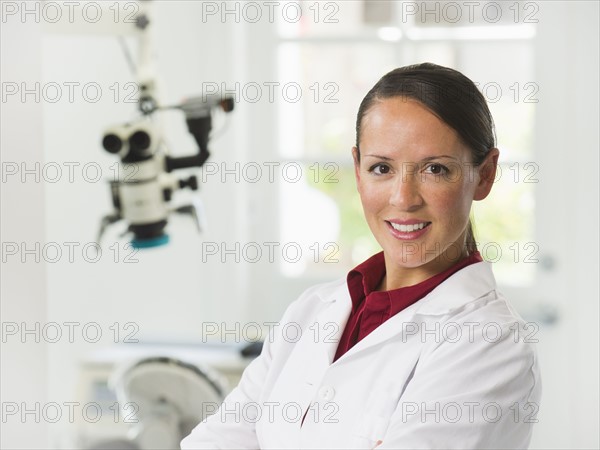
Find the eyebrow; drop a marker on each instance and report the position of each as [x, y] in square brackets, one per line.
[428, 158]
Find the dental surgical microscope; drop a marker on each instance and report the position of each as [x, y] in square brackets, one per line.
[142, 191]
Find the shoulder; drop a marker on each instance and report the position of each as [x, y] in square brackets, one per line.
[471, 319]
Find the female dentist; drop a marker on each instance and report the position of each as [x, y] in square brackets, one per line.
[416, 347]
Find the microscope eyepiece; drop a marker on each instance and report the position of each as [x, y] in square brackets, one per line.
[112, 143]
[139, 141]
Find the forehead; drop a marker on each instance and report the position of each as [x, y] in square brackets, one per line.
[399, 123]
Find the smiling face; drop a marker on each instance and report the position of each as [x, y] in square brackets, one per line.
[416, 182]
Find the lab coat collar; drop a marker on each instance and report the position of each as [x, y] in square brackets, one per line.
[466, 285]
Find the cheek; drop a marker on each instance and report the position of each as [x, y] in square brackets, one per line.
[372, 197]
[451, 202]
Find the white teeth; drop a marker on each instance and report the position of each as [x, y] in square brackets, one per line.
[408, 228]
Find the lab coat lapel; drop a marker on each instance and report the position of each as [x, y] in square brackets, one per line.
[301, 377]
[387, 330]
[329, 325]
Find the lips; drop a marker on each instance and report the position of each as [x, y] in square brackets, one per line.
[409, 229]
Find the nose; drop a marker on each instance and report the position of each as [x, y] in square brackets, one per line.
[406, 192]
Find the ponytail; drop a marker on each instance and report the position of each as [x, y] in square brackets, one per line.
[470, 240]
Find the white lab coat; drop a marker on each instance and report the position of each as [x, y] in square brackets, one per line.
[456, 369]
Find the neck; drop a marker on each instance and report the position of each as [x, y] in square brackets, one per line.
[397, 277]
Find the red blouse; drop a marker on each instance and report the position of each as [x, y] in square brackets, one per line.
[371, 308]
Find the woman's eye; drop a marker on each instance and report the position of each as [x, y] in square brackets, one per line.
[379, 169]
[437, 169]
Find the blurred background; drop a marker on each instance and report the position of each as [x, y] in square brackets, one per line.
[279, 209]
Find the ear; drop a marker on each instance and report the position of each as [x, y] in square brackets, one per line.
[487, 174]
[356, 164]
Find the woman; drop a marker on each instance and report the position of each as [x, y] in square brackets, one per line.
[416, 348]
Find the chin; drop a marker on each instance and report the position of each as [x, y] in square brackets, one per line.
[407, 258]
[410, 261]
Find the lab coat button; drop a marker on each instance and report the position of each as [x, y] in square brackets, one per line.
[326, 393]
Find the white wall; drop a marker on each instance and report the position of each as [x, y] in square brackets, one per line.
[23, 287]
[567, 153]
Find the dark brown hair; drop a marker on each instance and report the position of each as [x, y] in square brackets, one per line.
[449, 95]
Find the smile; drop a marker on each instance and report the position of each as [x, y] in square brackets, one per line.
[409, 228]
[408, 232]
